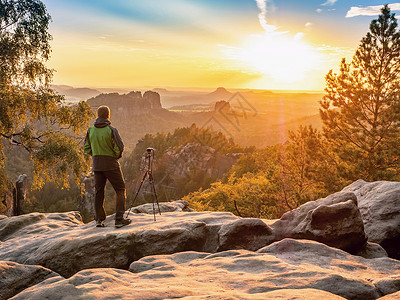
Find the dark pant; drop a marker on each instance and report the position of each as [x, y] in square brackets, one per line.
[117, 181]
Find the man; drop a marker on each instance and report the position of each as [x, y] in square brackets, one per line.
[104, 144]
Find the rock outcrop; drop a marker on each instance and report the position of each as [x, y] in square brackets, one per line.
[379, 205]
[175, 206]
[62, 243]
[198, 255]
[222, 106]
[334, 221]
[194, 157]
[133, 102]
[288, 269]
[16, 277]
[86, 203]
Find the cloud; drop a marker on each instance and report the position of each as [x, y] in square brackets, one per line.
[318, 10]
[262, 16]
[329, 3]
[369, 10]
[308, 24]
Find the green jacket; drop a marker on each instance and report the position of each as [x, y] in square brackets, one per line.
[104, 144]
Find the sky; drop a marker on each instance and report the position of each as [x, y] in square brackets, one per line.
[258, 44]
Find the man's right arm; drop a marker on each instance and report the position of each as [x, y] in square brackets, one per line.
[87, 148]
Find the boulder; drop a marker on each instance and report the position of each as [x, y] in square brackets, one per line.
[389, 285]
[15, 277]
[250, 234]
[174, 206]
[383, 273]
[379, 205]
[334, 221]
[372, 250]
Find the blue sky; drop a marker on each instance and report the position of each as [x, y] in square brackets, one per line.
[237, 43]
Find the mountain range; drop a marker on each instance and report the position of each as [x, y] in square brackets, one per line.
[255, 117]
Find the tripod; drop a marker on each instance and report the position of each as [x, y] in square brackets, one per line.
[149, 158]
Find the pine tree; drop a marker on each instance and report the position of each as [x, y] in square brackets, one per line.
[361, 108]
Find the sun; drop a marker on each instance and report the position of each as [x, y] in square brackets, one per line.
[277, 55]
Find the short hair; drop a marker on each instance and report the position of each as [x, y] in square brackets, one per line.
[103, 112]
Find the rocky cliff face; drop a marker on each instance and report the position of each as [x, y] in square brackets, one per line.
[133, 102]
[208, 255]
[135, 115]
[194, 156]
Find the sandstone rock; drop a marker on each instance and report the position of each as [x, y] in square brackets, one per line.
[120, 284]
[302, 252]
[64, 244]
[288, 269]
[21, 189]
[15, 277]
[153, 98]
[334, 221]
[196, 156]
[388, 285]
[133, 103]
[168, 259]
[174, 206]
[222, 106]
[394, 296]
[288, 264]
[250, 234]
[86, 203]
[379, 205]
[30, 225]
[372, 250]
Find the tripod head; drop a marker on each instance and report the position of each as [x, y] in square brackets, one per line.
[149, 156]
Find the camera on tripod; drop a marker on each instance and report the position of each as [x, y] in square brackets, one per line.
[149, 157]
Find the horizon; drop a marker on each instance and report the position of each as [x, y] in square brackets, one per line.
[204, 44]
[188, 89]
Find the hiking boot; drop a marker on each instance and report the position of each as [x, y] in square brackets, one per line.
[99, 223]
[122, 222]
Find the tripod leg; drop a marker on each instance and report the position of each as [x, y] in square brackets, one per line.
[152, 187]
[137, 193]
[155, 195]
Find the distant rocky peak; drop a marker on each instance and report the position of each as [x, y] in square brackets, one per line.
[223, 106]
[127, 102]
[221, 94]
[135, 95]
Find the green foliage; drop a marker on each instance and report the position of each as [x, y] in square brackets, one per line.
[251, 195]
[168, 185]
[31, 113]
[270, 181]
[305, 169]
[51, 198]
[361, 108]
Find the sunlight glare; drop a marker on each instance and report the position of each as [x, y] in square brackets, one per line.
[284, 58]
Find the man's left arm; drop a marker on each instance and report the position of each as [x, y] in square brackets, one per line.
[119, 145]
